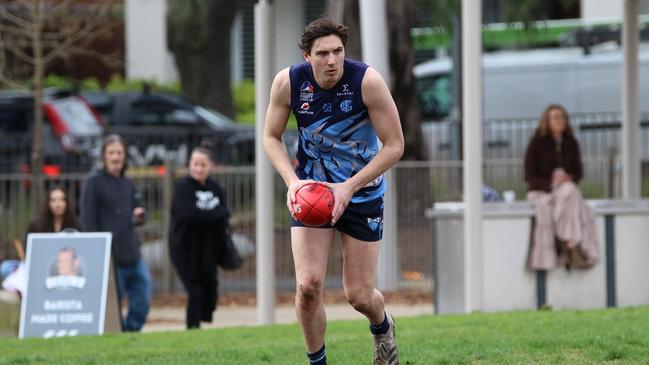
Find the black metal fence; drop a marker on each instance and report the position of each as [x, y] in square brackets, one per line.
[597, 134]
[419, 185]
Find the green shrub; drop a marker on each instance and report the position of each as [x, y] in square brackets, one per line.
[90, 84]
[117, 83]
[243, 96]
[59, 82]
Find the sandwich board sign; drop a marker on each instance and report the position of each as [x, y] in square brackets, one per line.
[68, 276]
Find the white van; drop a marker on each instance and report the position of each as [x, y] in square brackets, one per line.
[518, 85]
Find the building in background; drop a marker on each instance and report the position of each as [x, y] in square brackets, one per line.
[598, 9]
[147, 55]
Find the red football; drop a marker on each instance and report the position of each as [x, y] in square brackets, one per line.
[313, 206]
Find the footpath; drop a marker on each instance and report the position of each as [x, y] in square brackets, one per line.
[172, 318]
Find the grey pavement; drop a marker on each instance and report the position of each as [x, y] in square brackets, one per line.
[173, 318]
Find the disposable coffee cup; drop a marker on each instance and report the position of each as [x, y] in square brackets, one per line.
[509, 196]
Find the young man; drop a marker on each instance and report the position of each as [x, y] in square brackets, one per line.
[341, 106]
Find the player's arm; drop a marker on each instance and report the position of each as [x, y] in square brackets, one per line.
[277, 115]
[385, 120]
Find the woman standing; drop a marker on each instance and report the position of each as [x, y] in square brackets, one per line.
[564, 223]
[199, 220]
[111, 203]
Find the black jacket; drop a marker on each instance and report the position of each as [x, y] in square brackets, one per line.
[107, 204]
[199, 219]
[543, 155]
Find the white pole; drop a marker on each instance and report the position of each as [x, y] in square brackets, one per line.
[630, 133]
[263, 169]
[472, 149]
[374, 38]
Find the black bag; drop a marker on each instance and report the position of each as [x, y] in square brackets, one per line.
[228, 255]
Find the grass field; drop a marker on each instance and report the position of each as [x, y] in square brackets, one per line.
[615, 336]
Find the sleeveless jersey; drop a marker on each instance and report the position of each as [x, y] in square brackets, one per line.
[336, 137]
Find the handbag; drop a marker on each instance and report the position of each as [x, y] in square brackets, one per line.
[572, 258]
[229, 257]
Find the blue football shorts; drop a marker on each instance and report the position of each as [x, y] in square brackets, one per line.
[362, 221]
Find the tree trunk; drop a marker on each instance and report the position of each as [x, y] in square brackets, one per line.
[347, 12]
[199, 38]
[38, 184]
[404, 89]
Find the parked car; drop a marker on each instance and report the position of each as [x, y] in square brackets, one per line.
[71, 131]
[158, 126]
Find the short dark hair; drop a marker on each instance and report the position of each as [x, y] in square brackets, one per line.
[322, 27]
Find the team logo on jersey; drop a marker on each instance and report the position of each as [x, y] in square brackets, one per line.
[304, 109]
[326, 108]
[345, 91]
[306, 87]
[306, 91]
[375, 223]
[346, 106]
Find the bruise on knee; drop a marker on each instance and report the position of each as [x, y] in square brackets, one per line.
[309, 292]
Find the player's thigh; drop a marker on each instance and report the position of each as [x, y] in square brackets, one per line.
[311, 248]
[360, 263]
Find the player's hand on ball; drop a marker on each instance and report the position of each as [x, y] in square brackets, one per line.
[342, 195]
[290, 194]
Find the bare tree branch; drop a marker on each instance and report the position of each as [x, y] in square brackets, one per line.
[18, 21]
[3, 64]
[112, 59]
[17, 51]
[16, 31]
[63, 6]
[40, 31]
[11, 83]
[85, 32]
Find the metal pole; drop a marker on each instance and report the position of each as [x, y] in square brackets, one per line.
[374, 27]
[264, 183]
[630, 130]
[167, 192]
[472, 151]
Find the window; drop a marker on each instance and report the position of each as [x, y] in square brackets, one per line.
[150, 111]
[435, 96]
[14, 121]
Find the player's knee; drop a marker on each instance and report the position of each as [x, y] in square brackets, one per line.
[360, 301]
[309, 290]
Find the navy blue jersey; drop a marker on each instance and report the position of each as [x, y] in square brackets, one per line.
[337, 138]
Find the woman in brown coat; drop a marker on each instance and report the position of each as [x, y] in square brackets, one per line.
[564, 232]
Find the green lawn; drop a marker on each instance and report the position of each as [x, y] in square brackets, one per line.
[616, 336]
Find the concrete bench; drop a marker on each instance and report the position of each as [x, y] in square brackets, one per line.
[619, 279]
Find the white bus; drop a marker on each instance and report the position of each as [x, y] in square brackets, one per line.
[518, 85]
